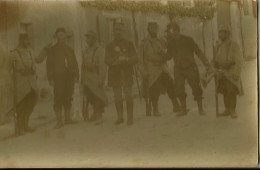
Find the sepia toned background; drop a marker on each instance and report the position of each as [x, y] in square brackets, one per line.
[167, 141]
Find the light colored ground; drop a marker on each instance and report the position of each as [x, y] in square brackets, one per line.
[167, 141]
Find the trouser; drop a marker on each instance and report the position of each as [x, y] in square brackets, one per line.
[163, 83]
[63, 91]
[96, 103]
[25, 108]
[193, 78]
[229, 91]
[118, 95]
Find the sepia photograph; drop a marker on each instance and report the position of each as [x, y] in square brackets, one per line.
[128, 83]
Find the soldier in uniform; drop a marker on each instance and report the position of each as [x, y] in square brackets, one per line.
[93, 76]
[121, 57]
[182, 48]
[156, 76]
[228, 63]
[25, 83]
[62, 73]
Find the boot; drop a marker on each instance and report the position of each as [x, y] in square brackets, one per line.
[148, 108]
[183, 110]
[20, 126]
[155, 109]
[225, 113]
[176, 106]
[27, 128]
[59, 120]
[129, 107]
[200, 106]
[93, 117]
[99, 119]
[233, 114]
[119, 109]
[68, 118]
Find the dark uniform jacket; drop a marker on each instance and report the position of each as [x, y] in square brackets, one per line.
[182, 50]
[61, 60]
[120, 74]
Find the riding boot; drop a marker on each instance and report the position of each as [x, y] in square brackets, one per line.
[155, 109]
[129, 107]
[119, 109]
[200, 107]
[59, 120]
[68, 118]
[148, 107]
[176, 105]
[184, 110]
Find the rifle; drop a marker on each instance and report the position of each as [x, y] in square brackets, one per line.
[137, 82]
[216, 95]
[16, 128]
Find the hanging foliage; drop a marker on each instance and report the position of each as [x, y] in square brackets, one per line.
[174, 8]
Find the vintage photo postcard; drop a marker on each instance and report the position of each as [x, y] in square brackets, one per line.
[127, 83]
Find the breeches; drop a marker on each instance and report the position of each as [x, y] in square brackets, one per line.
[63, 91]
[193, 78]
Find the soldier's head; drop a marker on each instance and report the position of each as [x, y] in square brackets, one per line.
[91, 38]
[224, 32]
[118, 30]
[152, 28]
[173, 30]
[61, 35]
[24, 40]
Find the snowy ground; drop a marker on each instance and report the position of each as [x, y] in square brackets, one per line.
[167, 141]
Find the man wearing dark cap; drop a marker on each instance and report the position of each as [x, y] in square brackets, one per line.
[121, 57]
[228, 61]
[156, 76]
[62, 73]
[182, 48]
[93, 74]
[25, 86]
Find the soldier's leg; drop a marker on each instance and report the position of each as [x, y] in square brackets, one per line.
[68, 97]
[31, 103]
[232, 92]
[58, 102]
[168, 84]
[155, 91]
[129, 104]
[222, 87]
[194, 82]
[146, 95]
[89, 100]
[21, 109]
[119, 104]
[180, 91]
[98, 107]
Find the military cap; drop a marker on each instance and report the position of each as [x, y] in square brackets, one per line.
[118, 24]
[224, 28]
[152, 22]
[61, 29]
[172, 25]
[91, 33]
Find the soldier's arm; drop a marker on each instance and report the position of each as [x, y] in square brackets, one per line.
[199, 53]
[238, 58]
[133, 56]
[50, 68]
[75, 66]
[42, 56]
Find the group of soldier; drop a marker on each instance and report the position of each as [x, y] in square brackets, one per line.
[124, 61]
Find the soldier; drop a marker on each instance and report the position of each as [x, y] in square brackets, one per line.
[156, 77]
[62, 73]
[121, 57]
[228, 63]
[24, 83]
[93, 76]
[182, 49]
